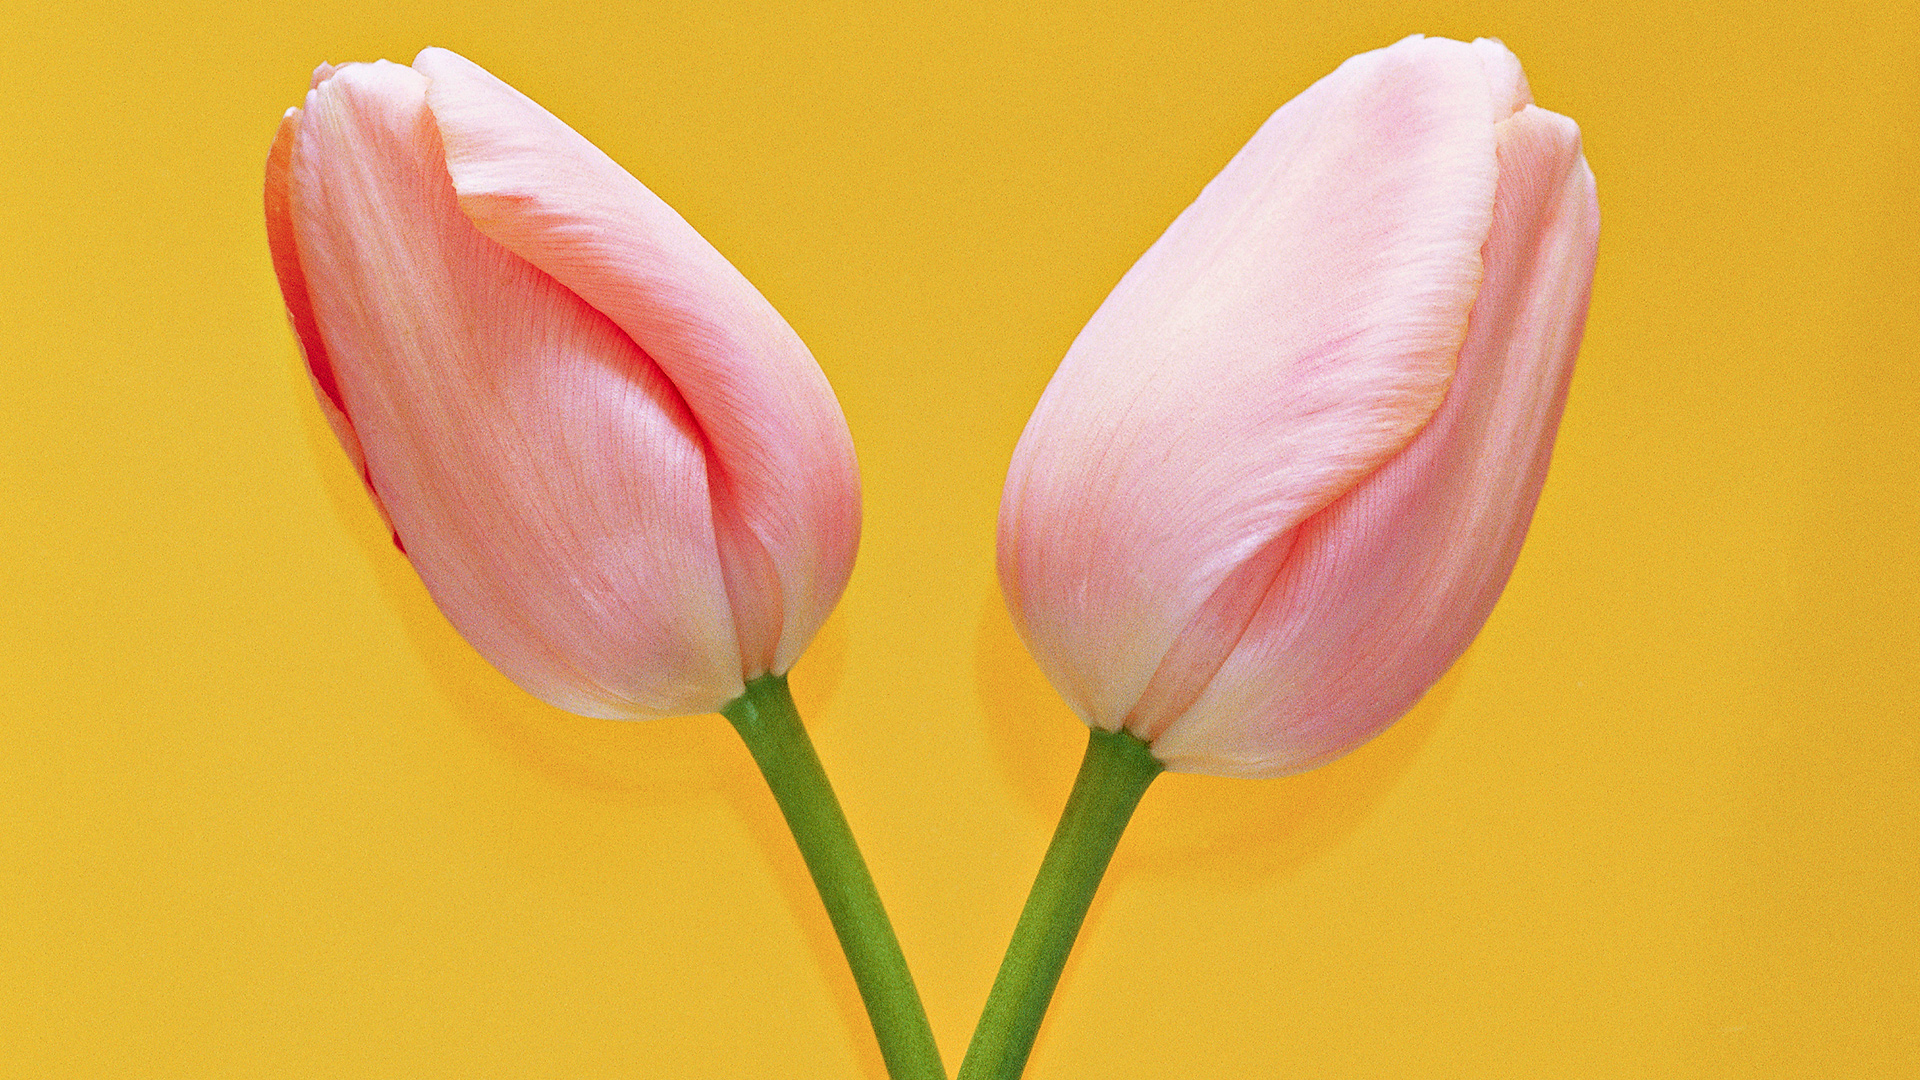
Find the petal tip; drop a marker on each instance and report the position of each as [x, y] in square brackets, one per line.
[1505, 79]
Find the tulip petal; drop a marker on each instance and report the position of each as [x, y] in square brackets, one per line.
[786, 490]
[293, 289]
[286, 264]
[498, 414]
[1386, 587]
[1506, 81]
[1292, 330]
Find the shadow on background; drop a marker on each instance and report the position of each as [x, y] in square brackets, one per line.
[652, 763]
[731, 772]
[1234, 831]
[670, 765]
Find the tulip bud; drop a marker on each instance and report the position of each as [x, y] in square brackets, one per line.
[616, 468]
[1282, 475]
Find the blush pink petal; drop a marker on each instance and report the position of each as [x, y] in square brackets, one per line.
[1506, 82]
[293, 288]
[1292, 330]
[1387, 586]
[500, 418]
[785, 491]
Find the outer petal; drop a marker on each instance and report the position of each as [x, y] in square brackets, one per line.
[546, 479]
[1505, 80]
[293, 289]
[1291, 331]
[786, 489]
[1386, 587]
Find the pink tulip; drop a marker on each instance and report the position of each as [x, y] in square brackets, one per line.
[1281, 477]
[616, 468]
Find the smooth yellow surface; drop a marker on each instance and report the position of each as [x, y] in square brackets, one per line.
[262, 814]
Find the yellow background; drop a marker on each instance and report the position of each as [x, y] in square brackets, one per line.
[262, 814]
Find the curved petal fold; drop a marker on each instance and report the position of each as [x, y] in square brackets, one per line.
[500, 416]
[1291, 331]
[1388, 585]
[785, 491]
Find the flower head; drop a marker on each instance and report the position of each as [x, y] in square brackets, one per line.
[1282, 475]
[618, 471]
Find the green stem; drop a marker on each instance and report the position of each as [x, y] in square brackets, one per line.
[1113, 776]
[768, 723]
